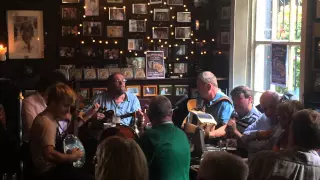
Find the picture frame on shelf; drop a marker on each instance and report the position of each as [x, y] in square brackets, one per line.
[160, 33]
[89, 73]
[165, 90]
[114, 1]
[92, 7]
[30, 46]
[139, 73]
[135, 44]
[70, 1]
[155, 1]
[114, 70]
[181, 90]
[96, 91]
[103, 73]
[136, 62]
[134, 89]
[225, 38]
[180, 50]
[114, 31]
[76, 73]
[150, 90]
[71, 31]
[180, 68]
[95, 26]
[84, 93]
[225, 12]
[111, 54]
[88, 51]
[137, 25]
[127, 73]
[164, 49]
[184, 17]
[183, 33]
[66, 51]
[69, 13]
[175, 2]
[117, 14]
[139, 8]
[161, 15]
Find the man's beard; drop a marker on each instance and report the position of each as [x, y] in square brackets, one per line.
[119, 92]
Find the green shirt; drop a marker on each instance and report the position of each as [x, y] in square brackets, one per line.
[167, 150]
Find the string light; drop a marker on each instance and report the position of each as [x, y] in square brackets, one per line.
[80, 25]
[183, 39]
[169, 65]
[171, 25]
[171, 8]
[100, 42]
[212, 40]
[107, 42]
[151, 41]
[201, 53]
[169, 45]
[172, 33]
[162, 46]
[115, 42]
[124, 7]
[204, 41]
[164, 57]
[105, 8]
[192, 52]
[148, 4]
[84, 16]
[219, 52]
[184, 5]
[180, 75]
[204, 52]
[78, 32]
[121, 52]
[186, 57]
[135, 54]
[145, 52]
[191, 34]
[196, 39]
[192, 42]
[173, 17]
[84, 7]
[165, 3]
[176, 45]
[151, 12]
[82, 42]
[152, 27]
[160, 40]
[93, 40]
[145, 19]
[148, 37]
[165, 42]
[130, 51]
[186, 9]
[177, 59]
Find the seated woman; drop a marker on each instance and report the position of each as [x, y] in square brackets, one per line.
[115, 162]
[285, 112]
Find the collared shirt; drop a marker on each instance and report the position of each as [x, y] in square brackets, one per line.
[292, 164]
[129, 105]
[221, 111]
[263, 123]
[251, 117]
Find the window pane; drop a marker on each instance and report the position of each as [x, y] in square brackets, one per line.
[262, 74]
[283, 19]
[264, 20]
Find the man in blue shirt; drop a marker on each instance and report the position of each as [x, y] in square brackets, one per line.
[216, 102]
[117, 99]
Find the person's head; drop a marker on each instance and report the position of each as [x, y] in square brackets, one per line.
[116, 84]
[60, 99]
[285, 111]
[223, 166]
[160, 110]
[116, 154]
[207, 85]
[305, 130]
[50, 79]
[242, 100]
[268, 102]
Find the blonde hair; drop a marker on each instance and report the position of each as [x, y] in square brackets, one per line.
[289, 107]
[59, 92]
[117, 154]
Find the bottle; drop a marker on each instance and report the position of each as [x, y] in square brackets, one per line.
[14, 176]
[5, 176]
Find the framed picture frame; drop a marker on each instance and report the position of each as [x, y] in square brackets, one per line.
[175, 2]
[180, 68]
[127, 73]
[29, 43]
[165, 90]
[137, 25]
[70, 31]
[184, 17]
[135, 44]
[225, 12]
[88, 51]
[160, 33]
[114, 70]
[111, 54]
[76, 73]
[164, 49]
[92, 28]
[139, 8]
[92, 7]
[150, 90]
[136, 62]
[225, 38]
[181, 90]
[139, 73]
[67, 52]
[89, 73]
[155, 1]
[84, 93]
[103, 73]
[134, 89]
[161, 15]
[180, 50]
[117, 14]
[69, 13]
[70, 1]
[114, 31]
[183, 32]
[114, 1]
[96, 91]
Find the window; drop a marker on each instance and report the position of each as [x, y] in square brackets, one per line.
[276, 21]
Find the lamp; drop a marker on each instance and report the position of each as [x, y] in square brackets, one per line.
[3, 51]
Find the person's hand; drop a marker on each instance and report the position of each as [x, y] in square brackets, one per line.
[100, 116]
[233, 124]
[264, 134]
[76, 154]
[93, 110]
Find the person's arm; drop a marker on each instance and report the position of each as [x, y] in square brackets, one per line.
[28, 115]
[224, 114]
[232, 123]
[50, 154]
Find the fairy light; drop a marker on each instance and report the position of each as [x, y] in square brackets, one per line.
[152, 27]
[164, 3]
[84, 7]
[135, 54]
[176, 45]
[106, 42]
[180, 75]
[219, 52]
[172, 33]
[204, 52]
[184, 5]
[177, 59]
[204, 41]
[105, 8]
[186, 57]
[100, 42]
[84, 16]
[186, 9]
[164, 57]
[114, 7]
[80, 25]
[124, 7]
[173, 17]
[192, 52]
[145, 52]
[130, 51]
[148, 37]
[151, 12]
[159, 40]
[169, 45]
[148, 4]
[183, 39]
[121, 52]
[201, 53]
[165, 42]
[78, 32]
[212, 40]
[93, 40]
[191, 34]
[145, 19]
[115, 42]
[151, 41]
[171, 25]
[82, 42]
[192, 42]
[162, 46]
[171, 8]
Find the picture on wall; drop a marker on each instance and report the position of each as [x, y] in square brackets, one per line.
[92, 28]
[70, 1]
[136, 62]
[88, 51]
[155, 1]
[165, 90]
[180, 68]
[96, 91]
[69, 13]
[89, 73]
[84, 93]
[183, 32]
[66, 51]
[180, 50]
[25, 34]
[69, 30]
[175, 2]
[160, 33]
[139, 9]
[103, 73]
[115, 31]
[225, 12]
[111, 53]
[164, 49]
[92, 7]
[183, 16]
[135, 44]
[137, 25]
[181, 90]
[134, 89]
[117, 14]
[150, 90]
[225, 38]
[114, 1]
[161, 15]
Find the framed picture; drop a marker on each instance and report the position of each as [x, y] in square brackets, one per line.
[155, 1]
[127, 73]
[114, 70]
[180, 68]
[111, 54]
[225, 38]
[66, 51]
[183, 16]
[139, 73]
[155, 68]
[96, 91]
[76, 73]
[136, 62]
[150, 90]
[175, 2]
[92, 7]
[135, 44]
[69, 13]
[183, 32]
[65, 72]
[69, 31]
[200, 3]
[134, 89]
[180, 50]
[114, 1]
[165, 90]
[92, 28]
[181, 90]
[225, 12]
[137, 25]
[70, 1]
[139, 9]
[90, 73]
[161, 15]
[84, 93]
[117, 14]
[88, 51]
[317, 11]
[115, 31]
[103, 73]
[164, 49]
[160, 33]
[25, 34]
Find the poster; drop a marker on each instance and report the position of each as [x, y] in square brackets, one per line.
[155, 65]
[279, 65]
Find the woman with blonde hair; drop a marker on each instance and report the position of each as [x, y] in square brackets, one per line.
[120, 159]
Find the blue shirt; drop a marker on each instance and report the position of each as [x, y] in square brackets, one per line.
[251, 117]
[130, 104]
[221, 111]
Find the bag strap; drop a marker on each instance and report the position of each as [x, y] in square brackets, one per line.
[224, 98]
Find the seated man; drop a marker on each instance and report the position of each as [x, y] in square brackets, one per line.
[46, 140]
[300, 161]
[222, 166]
[165, 146]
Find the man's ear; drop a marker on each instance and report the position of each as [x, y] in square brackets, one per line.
[208, 86]
[250, 99]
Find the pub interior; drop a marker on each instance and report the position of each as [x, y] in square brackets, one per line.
[160, 89]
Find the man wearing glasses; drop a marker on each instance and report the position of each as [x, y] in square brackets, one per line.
[117, 99]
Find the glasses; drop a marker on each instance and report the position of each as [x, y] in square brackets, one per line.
[119, 80]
